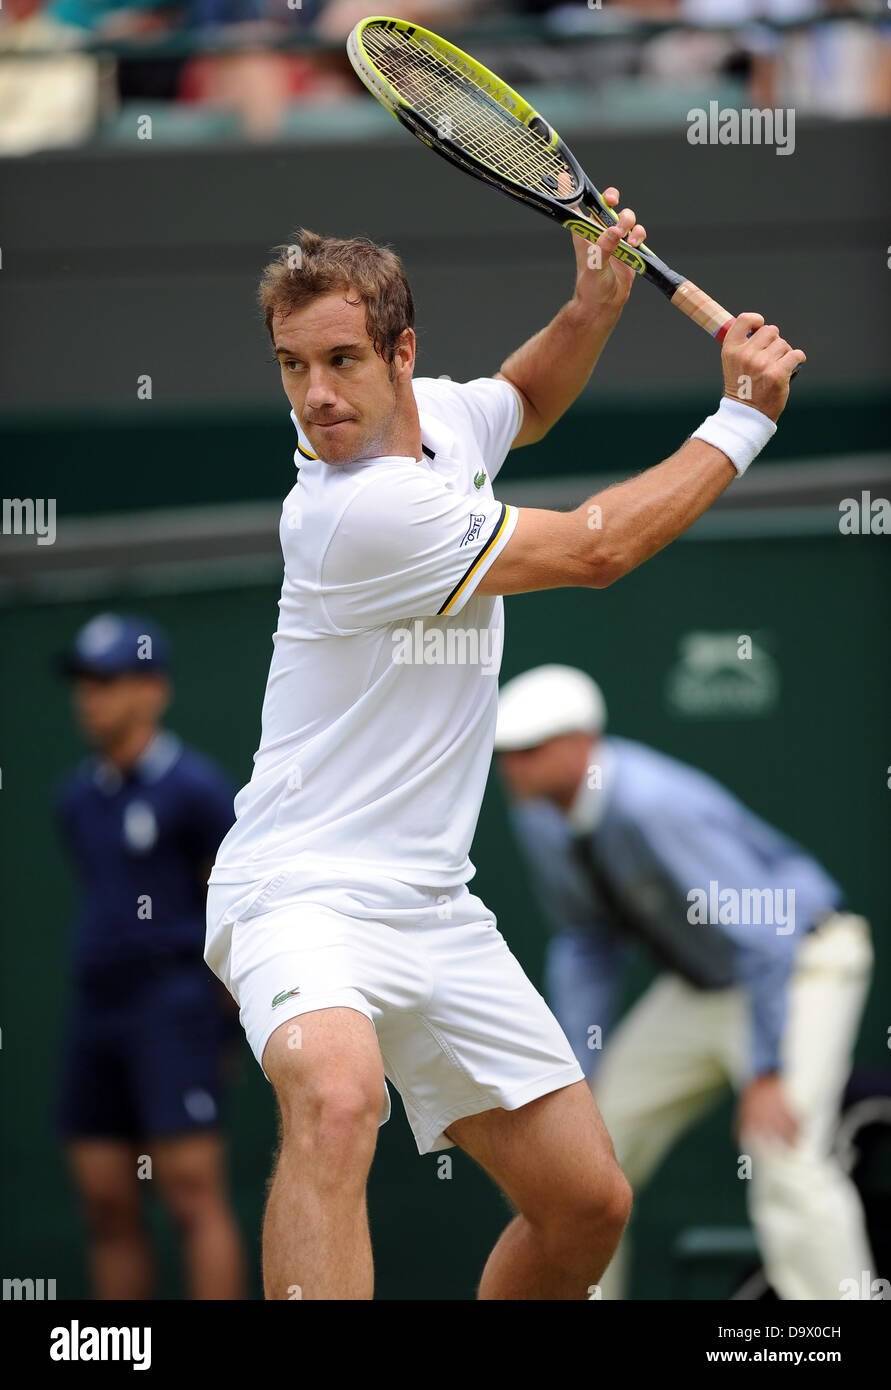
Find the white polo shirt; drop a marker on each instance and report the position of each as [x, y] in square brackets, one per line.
[380, 708]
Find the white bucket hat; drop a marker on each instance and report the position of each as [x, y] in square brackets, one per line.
[545, 702]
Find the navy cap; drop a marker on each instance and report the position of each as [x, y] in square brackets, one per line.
[113, 644]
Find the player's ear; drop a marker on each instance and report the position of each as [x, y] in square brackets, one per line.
[404, 356]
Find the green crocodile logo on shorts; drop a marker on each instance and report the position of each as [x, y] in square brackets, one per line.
[285, 994]
[479, 479]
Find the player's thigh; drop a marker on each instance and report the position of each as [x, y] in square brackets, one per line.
[553, 1153]
[106, 1173]
[326, 1062]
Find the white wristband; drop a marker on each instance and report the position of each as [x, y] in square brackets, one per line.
[739, 431]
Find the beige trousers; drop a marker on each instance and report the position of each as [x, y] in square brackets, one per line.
[678, 1049]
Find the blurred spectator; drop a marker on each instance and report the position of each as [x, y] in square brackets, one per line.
[150, 1035]
[831, 59]
[116, 18]
[259, 83]
[44, 102]
[838, 65]
[130, 21]
[763, 972]
[254, 80]
[338, 17]
[828, 58]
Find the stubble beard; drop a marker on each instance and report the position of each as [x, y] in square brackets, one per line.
[374, 445]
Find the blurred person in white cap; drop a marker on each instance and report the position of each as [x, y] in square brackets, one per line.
[763, 971]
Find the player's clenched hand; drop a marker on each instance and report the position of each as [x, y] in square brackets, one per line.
[757, 369]
[603, 282]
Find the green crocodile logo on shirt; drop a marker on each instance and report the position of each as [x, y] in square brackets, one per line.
[479, 479]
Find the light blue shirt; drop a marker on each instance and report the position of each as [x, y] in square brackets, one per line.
[714, 893]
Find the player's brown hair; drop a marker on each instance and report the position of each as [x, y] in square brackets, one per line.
[311, 265]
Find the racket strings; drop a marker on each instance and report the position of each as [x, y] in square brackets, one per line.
[462, 111]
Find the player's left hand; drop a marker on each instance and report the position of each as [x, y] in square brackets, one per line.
[764, 1112]
[602, 281]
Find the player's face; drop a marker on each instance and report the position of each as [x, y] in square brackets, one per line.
[107, 709]
[345, 396]
[552, 769]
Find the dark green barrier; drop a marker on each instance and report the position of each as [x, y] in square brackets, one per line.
[100, 464]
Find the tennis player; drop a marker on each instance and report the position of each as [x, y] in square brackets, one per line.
[339, 915]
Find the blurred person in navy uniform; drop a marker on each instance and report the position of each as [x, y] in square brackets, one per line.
[150, 1039]
[763, 970]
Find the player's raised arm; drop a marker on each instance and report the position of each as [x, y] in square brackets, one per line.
[617, 529]
[551, 369]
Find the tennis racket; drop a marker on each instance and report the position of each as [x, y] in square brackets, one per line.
[469, 116]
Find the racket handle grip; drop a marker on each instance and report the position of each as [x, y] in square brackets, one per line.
[706, 312]
[703, 310]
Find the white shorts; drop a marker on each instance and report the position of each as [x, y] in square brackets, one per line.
[460, 1027]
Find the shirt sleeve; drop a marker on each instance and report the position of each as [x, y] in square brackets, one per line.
[493, 411]
[409, 546]
[767, 984]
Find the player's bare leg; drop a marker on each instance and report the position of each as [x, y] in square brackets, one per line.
[330, 1091]
[105, 1171]
[190, 1173]
[554, 1160]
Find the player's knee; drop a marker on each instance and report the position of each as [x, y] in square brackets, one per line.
[332, 1121]
[607, 1209]
[618, 1202]
[589, 1218]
